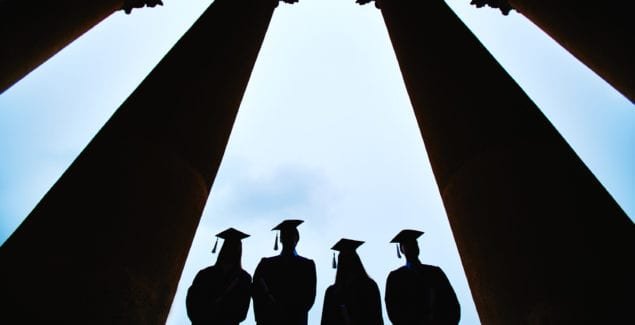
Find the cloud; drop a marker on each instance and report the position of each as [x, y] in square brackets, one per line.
[245, 191]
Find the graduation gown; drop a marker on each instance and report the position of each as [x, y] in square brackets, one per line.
[217, 298]
[421, 294]
[283, 290]
[361, 301]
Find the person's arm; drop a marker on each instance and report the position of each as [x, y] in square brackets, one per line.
[258, 294]
[312, 283]
[241, 297]
[230, 289]
[333, 307]
[448, 309]
[326, 308]
[394, 305]
[193, 299]
[265, 290]
[374, 305]
[346, 317]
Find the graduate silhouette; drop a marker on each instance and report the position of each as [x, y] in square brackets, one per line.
[354, 298]
[220, 294]
[284, 285]
[418, 293]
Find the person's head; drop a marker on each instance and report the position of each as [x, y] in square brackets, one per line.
[410, 249]
[349, 264]
[230, 255]
[289, 235]
[289, 238]
[407, 241]
[349, 267]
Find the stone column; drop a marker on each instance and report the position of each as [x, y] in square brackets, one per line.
[33, 31]
[600, 34]
[540, 239]
[108, 242]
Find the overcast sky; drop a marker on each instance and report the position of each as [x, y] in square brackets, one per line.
[325, 132]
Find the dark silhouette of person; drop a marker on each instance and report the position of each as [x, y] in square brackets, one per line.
[354, 298]
[418, 293]
[284, 286]
[220, 294]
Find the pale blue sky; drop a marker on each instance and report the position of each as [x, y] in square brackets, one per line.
[325, 131]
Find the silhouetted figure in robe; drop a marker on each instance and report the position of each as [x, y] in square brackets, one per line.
[418, 293]
[284, 285]
[220, 294]
[354, 299]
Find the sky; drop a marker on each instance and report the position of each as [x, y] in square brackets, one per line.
[325, 131]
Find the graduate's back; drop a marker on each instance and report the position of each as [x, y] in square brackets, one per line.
[284, 286]
[284, 290]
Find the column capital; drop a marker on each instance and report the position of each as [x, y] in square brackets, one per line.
[363, 2]
[128, 5]
[503, 5]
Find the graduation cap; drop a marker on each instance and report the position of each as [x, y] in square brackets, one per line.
[345, 245]
[406, 235]
[229, 234]
[286, 225]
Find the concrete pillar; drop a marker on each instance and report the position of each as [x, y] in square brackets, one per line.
[541, 240]
[31, 32]
[108, 242]
[598, 34]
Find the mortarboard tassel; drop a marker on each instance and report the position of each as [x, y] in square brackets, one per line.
[398, 253]
[275, 246]
[334, 262]
[215, 244]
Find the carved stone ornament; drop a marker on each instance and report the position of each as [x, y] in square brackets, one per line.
[128, 5]
[363, 2]
[503, 5]
[132, 4]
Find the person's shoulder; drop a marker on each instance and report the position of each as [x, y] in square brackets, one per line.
[397, 274]
[245, 275]
[305, 260]
[329, 294]
[431, 268]
[205, 274]
[263, 266]
[267, 260]
[367, 283]
[399, 270]
[208, 270]
[297, 260]
[308, 263]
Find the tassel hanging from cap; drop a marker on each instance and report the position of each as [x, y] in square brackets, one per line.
[215, 245]
[334, 262]
[275, 246]
[398, 253]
